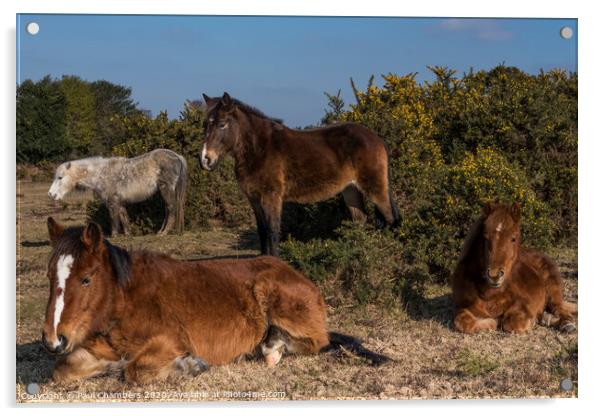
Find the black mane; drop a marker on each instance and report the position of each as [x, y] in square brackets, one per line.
[121, 262]
[248, 109]
[70, 243]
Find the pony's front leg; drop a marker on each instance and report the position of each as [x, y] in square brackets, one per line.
[114, 212]
[260, 220]
[160, 358]
[85, 362]
[125, 220]
[469, 321]
[272, 207]
[518, 319]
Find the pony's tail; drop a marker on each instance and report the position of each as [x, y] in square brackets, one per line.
[339, 341]
[380, 218]
[181, 195]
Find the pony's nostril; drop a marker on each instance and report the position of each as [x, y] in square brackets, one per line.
[500, 273]
[62, 343]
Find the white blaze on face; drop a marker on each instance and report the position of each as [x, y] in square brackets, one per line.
[204, 156]
[63, 270]
[499, 227]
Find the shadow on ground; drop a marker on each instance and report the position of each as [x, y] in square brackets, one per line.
[437, 308]
[35, 243]
[247, 240]
[34, 364]
[226, 257]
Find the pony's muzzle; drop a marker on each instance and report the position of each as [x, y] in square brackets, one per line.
[207, 163]
[496, 278]
[57, 347]
[208, 158]
[54, 196]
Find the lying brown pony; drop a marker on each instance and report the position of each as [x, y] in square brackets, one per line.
[499, 282]
[153, 316]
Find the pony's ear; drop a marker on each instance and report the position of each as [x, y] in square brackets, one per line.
[55, 231]
[68, 165]
[226, 100]
[208, 100]
[487, 208]
[515, 211]
[92, 237]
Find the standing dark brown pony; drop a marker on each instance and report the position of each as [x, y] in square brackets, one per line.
[497, 281]
[275, 164]
[152, 316]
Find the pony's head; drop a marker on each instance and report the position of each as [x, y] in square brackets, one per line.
[65, 180]
[501, 239]
[222, 130]
[84, 272]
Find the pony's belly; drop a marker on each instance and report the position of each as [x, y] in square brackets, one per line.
[226, 346]
[320, 192]
[141, 192]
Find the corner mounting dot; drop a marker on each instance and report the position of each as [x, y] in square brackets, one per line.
[33, 28]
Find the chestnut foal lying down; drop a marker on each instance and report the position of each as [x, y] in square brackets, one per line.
[152, 316]
[499, 282]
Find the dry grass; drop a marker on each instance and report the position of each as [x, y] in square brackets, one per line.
[431, 360]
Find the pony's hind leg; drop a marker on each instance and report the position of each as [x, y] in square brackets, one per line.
[169, 196]
[355, 203]
[377, 191]
[563, 312]
[279, 341]
[274, 345]
[304, 326]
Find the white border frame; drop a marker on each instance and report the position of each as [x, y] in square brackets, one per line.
[589, 171]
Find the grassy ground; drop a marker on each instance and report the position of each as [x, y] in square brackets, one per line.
[431, 360]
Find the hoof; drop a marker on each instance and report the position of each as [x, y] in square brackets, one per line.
[568, 327]
[547, 319]
[273, 358]
[190, 366]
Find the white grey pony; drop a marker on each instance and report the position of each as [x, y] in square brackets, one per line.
[119, 180]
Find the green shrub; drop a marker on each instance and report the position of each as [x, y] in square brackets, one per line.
[487, 176]
[361, 266]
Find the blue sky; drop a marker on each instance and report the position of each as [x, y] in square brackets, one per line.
[282, 65]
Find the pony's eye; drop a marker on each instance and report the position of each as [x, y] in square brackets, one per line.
[514, 239]
[59, 178]
[223, 125]
[85, 281]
